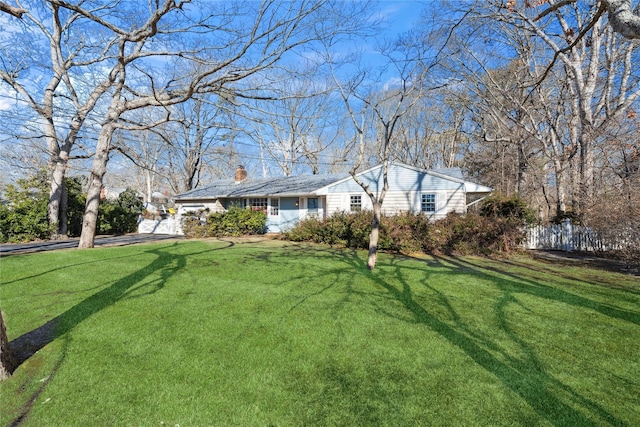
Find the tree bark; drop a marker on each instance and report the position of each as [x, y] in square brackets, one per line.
[57, 207]
[374, 236]
[623, 19]
[98, 170]
[7, 361]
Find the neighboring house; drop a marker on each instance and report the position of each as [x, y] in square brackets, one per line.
[287, 200]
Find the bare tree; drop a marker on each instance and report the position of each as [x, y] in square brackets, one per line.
[12, 10]
[297, 129]
[381, 109]
[147, 152]
[623, 17]
[63, 103]
[249, 48]
[591, 84]
[211, 48]
[431, 135]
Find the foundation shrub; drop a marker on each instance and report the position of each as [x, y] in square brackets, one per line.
[310, 230]
[406, 232]
[194, 223]
[236, 222]
[498, 227]
[475, 234]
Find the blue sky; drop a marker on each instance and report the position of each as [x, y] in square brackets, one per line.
[400, 15]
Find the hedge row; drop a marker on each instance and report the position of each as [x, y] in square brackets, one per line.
[497, 228]
[234, 222]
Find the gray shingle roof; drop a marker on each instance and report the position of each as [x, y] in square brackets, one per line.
[280, 186]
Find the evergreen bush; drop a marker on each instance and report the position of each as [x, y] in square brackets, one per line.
[23, 213]
[120, 216]
[236, 221]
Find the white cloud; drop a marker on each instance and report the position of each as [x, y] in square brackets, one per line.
[7, 99]
[392, 83]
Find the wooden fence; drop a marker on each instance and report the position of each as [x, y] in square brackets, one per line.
[565, 237]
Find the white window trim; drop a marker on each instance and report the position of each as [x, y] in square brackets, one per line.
[435, 202]
[361, 204]
[270, 206]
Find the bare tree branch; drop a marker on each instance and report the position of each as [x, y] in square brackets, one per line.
[12, 10]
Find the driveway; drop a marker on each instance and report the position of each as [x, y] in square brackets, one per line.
[127, 239]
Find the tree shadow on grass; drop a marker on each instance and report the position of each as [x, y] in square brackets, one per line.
[526, 375]
[529, 285]
[166, 264]
[523, 372]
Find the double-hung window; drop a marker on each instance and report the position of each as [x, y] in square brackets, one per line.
[428, 203]
[355, 203]
[312, 205]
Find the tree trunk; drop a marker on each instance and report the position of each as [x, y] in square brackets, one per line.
[99, 168]
[56, 194]
[64, 212]
[522, 168]
[586, 176]
[561, 191]
[374, 236]
[7, 361]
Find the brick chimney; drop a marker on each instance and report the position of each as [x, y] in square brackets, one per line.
[241, 173]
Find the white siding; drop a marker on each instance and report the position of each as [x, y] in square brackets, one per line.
[212, 205]
[396, 202]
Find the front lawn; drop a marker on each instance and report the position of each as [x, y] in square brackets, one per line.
[259, 332]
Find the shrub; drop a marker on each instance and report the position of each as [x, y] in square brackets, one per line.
[236, 221]
[24, 216]
[350, 229]
[120, 216]
[616, 222]
[194, 223]
[498, 229]
[313, 230]
[405, 232]
[475, 234]
[513, 208]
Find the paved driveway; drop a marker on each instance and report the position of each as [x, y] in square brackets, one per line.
[127, 239]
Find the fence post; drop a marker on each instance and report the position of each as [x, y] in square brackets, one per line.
[568, 236]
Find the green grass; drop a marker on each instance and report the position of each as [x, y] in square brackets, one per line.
[258, 333]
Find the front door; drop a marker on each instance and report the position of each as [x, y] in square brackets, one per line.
[289, 212]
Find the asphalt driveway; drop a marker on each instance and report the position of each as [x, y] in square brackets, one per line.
[127, 239]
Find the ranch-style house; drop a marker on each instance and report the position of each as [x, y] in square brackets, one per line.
[287, 200]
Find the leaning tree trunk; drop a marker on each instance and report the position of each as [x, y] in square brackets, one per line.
[99, 168]
[374, 236]
[7, 361]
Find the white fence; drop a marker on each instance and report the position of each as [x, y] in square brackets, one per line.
[165, 226]
[565, 237]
